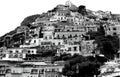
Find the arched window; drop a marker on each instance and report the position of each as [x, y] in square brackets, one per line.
[50, 37]
[17, 51]
[58, 37]
[32, 51]
[29, 51]
[46, 37]
[63, 37]
[76, 35]
[11, 51]
[70, 36]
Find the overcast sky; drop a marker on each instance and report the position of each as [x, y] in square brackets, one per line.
[12, 12]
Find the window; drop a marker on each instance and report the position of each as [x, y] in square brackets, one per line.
[63, 36]
[48, 76]
[32, 51]
[22, 51]
[28, 51]
[114, 28]
[56, 75]
[58, 37]
[76, 35]
[17, 51]
[114, 33]
[59, 43]
[20, 55]
[61, 18]
[53, 70]
[50, 37]
[10, 51]
[42, 70]
[15, 55]
[68, 30]
[69, 49]
[34, 71]
[53, 43]
[46, 37]
[75, 48]
[34, 41]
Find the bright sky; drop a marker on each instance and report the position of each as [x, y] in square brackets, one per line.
[12, 12]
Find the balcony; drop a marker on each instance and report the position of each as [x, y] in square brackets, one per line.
[2, 72]
[34, 71]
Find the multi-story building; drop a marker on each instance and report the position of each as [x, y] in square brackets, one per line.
[87, 47]
[34, 32]
[69, 31]
[73, 40]
[90, 28]
[17, 54]
[59, 16]
[2, 52]
[69, 49]
[2, 70]
[110, 69]
[35, 69]
[32, 42]
[113, 30]
[67, 34]
[48, 32]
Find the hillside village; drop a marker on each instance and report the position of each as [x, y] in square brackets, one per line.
[59, 43]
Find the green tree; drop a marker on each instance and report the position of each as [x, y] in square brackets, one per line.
[28, 20]
[108, 45]
[81, 67]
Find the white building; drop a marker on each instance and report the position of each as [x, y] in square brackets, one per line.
[48, 32]
[69, 49]
[33, 42]
[35, 69]
[110, 69]
[113, 30]
[14, 54]
[59, 16]
[18, 54]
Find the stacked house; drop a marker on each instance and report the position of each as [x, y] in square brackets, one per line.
[63, 31]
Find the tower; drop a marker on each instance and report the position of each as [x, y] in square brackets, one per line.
[68, 3]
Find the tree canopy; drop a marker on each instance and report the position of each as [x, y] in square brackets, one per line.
[80, 66]
[29, 19]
